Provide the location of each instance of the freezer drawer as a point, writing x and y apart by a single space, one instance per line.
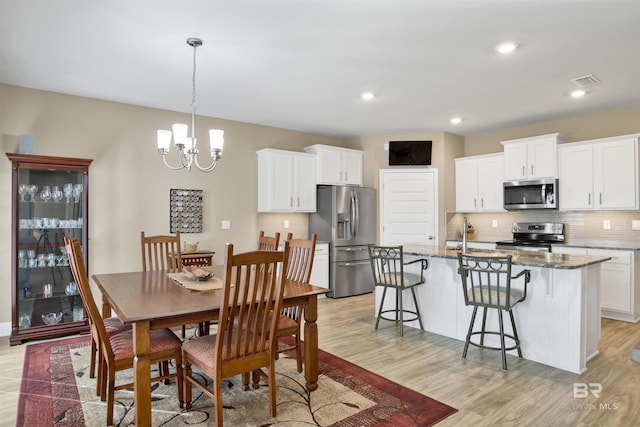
350 278
350 253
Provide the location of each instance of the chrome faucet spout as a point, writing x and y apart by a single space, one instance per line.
464 236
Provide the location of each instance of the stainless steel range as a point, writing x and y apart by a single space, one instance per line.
534 236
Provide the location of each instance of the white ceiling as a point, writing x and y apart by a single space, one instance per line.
301 64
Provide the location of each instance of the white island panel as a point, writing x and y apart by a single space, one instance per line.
558 323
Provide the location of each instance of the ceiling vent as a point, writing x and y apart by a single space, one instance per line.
586 81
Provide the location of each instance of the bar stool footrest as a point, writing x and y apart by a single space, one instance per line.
415 314
487 347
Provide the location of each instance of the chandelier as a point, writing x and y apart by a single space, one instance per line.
186 145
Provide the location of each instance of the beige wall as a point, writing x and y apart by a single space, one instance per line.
578 128
129 186
445 148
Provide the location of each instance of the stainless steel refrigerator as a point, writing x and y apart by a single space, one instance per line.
346 218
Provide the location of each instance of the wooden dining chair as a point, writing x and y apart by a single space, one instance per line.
268 243
117 350
113 325
245 340
301 253
161 252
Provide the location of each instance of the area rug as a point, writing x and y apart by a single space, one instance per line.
56 391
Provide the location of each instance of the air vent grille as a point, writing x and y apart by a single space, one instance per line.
586 81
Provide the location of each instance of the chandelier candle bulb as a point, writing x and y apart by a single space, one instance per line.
164 140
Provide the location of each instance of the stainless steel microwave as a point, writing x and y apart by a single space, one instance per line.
531 194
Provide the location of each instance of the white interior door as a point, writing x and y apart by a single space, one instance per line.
408 206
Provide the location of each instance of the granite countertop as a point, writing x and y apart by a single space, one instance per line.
530 259
590 244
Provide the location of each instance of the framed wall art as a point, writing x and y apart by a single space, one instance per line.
185 210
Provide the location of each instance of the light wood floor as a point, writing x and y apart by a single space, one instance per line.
527 394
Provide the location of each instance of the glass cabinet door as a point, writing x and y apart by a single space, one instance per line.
51 203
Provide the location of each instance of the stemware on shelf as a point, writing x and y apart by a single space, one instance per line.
77 190
23 190
33 190
46 193
56 194
68 191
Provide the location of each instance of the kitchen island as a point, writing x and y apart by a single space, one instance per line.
558 323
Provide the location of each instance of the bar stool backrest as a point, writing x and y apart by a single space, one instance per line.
486 281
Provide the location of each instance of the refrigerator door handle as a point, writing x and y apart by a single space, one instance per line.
354 215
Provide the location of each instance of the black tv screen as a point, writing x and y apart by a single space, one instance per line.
409 153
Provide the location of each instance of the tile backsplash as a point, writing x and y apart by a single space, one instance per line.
582 227
272 223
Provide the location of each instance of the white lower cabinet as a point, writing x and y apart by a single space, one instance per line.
619 282
320 270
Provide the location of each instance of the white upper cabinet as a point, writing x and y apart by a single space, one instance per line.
479 183
337 165
286 181
531 158
599 174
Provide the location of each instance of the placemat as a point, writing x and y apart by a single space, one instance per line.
196 285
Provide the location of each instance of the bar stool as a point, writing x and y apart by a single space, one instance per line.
486 283
387 265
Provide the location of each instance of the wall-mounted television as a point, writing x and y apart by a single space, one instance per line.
409 153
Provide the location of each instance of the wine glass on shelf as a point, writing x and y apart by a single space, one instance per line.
77 190
45 194
68 191
33 190
56 194
23 190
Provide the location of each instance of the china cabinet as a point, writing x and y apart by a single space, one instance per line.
49 202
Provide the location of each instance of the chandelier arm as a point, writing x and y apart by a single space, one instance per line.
175 168
209 168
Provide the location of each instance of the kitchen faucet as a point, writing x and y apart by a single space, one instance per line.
464 236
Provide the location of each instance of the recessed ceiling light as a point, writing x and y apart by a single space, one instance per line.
367 96
506 47
455 120
577 93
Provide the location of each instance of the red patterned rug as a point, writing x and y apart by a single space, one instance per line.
56 391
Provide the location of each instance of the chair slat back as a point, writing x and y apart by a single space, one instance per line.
301 254
486 281
161 253
79 271
251 295
268 243
387 265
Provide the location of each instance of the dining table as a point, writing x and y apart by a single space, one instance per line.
150 300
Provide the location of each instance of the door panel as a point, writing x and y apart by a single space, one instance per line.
408 207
